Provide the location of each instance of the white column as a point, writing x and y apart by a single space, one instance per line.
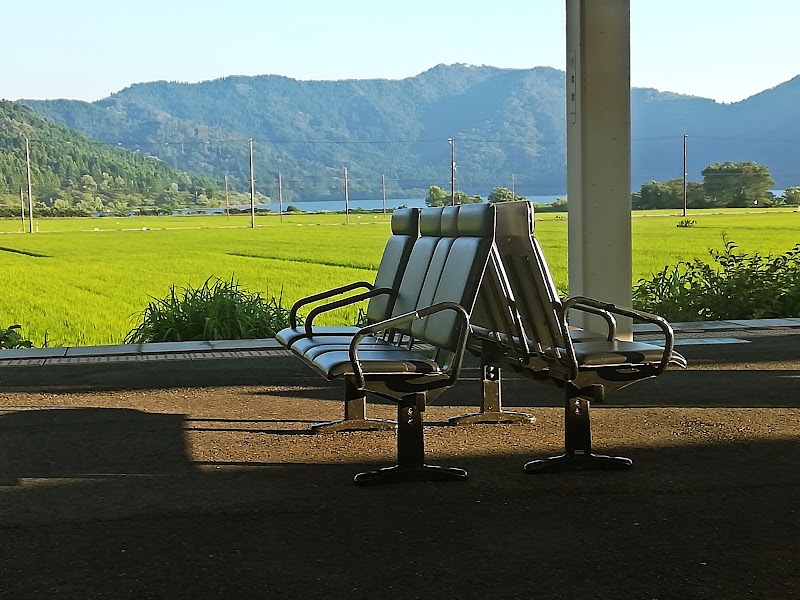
599 154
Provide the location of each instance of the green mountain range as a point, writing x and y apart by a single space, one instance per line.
310 130
507 126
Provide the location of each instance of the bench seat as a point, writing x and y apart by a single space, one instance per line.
303 345
603 353
336 363
290 335
371 344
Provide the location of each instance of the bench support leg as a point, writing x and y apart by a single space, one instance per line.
491 404
578 438
410 451
355 414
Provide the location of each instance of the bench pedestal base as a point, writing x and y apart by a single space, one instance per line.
398 474
566 462
496 416
491 404
410 451
355 415
352 425
578 453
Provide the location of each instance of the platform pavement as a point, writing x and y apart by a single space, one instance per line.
77 354
253 362
222 492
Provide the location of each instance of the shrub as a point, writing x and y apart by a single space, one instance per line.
558 205
686 223
740 286
11 338
217 310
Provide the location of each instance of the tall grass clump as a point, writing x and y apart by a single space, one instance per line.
737 285
217 310
11 338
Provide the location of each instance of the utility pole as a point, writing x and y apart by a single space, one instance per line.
684 174
383 188
22 208
227 203
513 187
252 190
30 185
280 197
346 199
452 170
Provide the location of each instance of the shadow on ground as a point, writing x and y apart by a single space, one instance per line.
175 490
110 503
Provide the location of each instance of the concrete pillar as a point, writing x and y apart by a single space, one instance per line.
599 154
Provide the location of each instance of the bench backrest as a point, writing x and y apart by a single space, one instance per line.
419 262
467 237
446 265
405 232
524 316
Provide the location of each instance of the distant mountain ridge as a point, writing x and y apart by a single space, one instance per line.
508 125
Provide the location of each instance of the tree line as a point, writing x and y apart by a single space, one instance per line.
437 196
724 185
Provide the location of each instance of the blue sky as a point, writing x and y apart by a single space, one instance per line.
88 49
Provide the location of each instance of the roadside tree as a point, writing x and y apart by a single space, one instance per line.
437 197
501 194
668 194
462 198
736 184
659 194
792 195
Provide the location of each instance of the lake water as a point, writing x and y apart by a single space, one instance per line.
338 205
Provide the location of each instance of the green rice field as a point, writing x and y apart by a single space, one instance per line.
83 281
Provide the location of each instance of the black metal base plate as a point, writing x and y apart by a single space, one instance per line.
492 417
353 425
398 474
573 462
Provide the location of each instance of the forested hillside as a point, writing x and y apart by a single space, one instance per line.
763 129
507 123
70 171
508 126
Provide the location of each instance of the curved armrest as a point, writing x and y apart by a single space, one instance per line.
343 302
322 295
394 322
611 322
661 322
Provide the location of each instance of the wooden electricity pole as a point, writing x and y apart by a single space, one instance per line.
30 185
22 207
346 199
452 170
227 203
280 197
684 174
252 190
383 188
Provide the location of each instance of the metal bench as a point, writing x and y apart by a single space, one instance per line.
521 324
432 306
381 296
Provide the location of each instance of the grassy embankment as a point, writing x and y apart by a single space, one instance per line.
82 281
